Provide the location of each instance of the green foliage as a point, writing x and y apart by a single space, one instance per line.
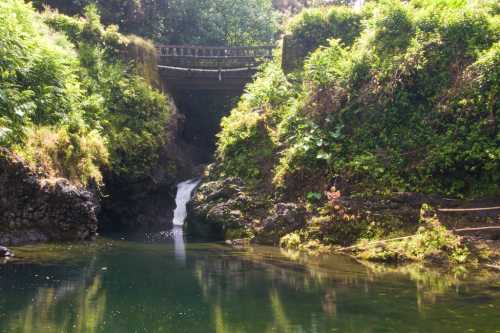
68 104
408 105
439 3
390 28
137 126
407 108
61 152
38 72
313 196
207 22
41 98
326 64
291 241
245 144
433 242
314 27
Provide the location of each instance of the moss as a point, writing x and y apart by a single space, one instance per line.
291 241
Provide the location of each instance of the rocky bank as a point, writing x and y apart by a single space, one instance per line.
226 208
34 208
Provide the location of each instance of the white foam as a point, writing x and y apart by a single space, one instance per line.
184 192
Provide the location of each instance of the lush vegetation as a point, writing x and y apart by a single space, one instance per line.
207 22
409 106
69 103
314 27
398 97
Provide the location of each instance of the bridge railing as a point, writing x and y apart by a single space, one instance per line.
188 56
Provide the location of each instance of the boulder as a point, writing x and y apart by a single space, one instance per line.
228 209
282 219
5 252
219 208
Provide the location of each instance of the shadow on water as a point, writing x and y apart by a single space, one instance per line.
169 286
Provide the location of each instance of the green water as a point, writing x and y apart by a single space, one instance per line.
122 286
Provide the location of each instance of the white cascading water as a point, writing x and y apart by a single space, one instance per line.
184 192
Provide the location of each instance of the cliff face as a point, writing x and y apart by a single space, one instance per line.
33 208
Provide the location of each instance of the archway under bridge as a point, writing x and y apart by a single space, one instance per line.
206 83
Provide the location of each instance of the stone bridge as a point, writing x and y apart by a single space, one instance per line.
186 67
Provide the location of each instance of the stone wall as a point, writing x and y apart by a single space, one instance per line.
293 54
34 208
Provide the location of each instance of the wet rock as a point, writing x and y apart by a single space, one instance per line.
218 209
147 203
283 218
228 209
238 243
34 208
5 252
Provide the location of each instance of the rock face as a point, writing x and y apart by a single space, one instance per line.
133 207
147 203
227 209
35 209
217 209
282 219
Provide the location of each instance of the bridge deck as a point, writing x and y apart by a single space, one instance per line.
188 56
201 67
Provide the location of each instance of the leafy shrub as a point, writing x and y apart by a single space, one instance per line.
290 241
313 28
69 104
39 81
390 28
370 111
433 242
136 126
244 145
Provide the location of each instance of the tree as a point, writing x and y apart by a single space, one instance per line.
205 22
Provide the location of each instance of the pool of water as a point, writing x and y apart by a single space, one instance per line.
133 286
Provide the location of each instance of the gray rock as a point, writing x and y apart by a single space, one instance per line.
282 219
218 206
5 252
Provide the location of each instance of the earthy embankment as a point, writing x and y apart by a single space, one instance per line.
34 208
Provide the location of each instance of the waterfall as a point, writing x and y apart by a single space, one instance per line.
184 191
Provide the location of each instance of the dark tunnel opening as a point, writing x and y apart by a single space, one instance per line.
203 111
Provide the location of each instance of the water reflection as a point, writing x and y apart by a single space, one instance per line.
133 287
72 306
179 245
